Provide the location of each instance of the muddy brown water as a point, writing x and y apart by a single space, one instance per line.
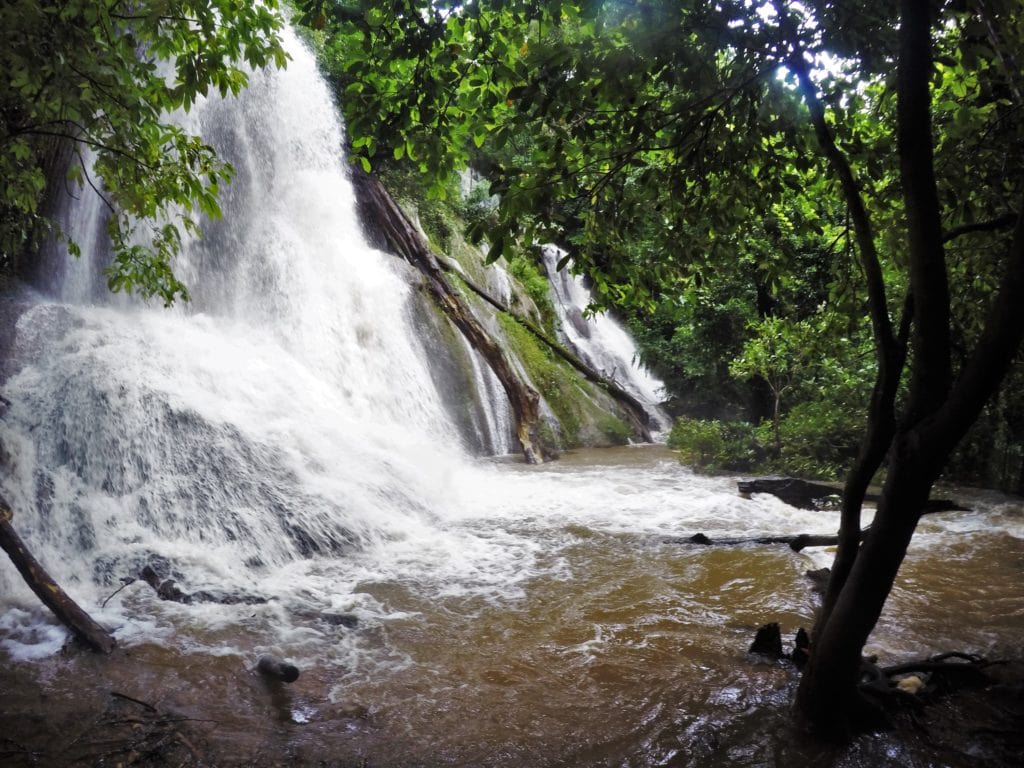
625 649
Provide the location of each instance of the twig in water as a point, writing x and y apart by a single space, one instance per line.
126 697
126 581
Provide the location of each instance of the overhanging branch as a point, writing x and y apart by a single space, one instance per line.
1006 221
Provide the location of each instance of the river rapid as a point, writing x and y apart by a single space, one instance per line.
556 620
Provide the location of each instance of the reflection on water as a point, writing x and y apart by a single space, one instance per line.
568 631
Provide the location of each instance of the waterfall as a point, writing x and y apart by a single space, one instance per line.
600 340
495 410
286 413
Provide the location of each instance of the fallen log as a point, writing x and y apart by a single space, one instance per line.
804 494
383 214
167 589
796 543
70 614
801 494
967 669
934 674
277 669
638 414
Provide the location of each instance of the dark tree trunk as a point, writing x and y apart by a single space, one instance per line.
827 699
939 410
386 218
48 591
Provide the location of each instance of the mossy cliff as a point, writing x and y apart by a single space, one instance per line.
574 412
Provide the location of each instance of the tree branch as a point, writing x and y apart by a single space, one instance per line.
993 353
863 230
1006 221
881 423
32 131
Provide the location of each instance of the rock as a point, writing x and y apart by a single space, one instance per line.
801 648
341 620
910 684
819 579
278 669
768 641
350 710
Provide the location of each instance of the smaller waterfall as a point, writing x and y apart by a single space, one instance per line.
600 340
496 412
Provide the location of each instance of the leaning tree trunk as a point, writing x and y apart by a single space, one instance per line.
48 591
378 207
827 700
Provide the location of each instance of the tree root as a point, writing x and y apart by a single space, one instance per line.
942 673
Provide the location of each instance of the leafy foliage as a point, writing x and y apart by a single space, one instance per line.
98 80
716 445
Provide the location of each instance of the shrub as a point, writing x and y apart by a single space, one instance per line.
712 444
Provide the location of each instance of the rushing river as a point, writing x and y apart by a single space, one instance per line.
550 618
281 442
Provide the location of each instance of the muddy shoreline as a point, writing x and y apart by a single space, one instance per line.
151 706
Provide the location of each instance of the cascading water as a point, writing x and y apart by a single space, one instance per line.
288 412
281 439
600 340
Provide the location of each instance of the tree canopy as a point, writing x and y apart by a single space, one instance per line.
100 80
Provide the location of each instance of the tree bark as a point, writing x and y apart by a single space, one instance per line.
890 349
386 218
48 591
827 699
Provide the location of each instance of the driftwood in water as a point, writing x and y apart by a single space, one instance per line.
277 669
953 668
346 620
81 624
385 217
796 543
804 494
634 408
797 493
167 589
934 674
